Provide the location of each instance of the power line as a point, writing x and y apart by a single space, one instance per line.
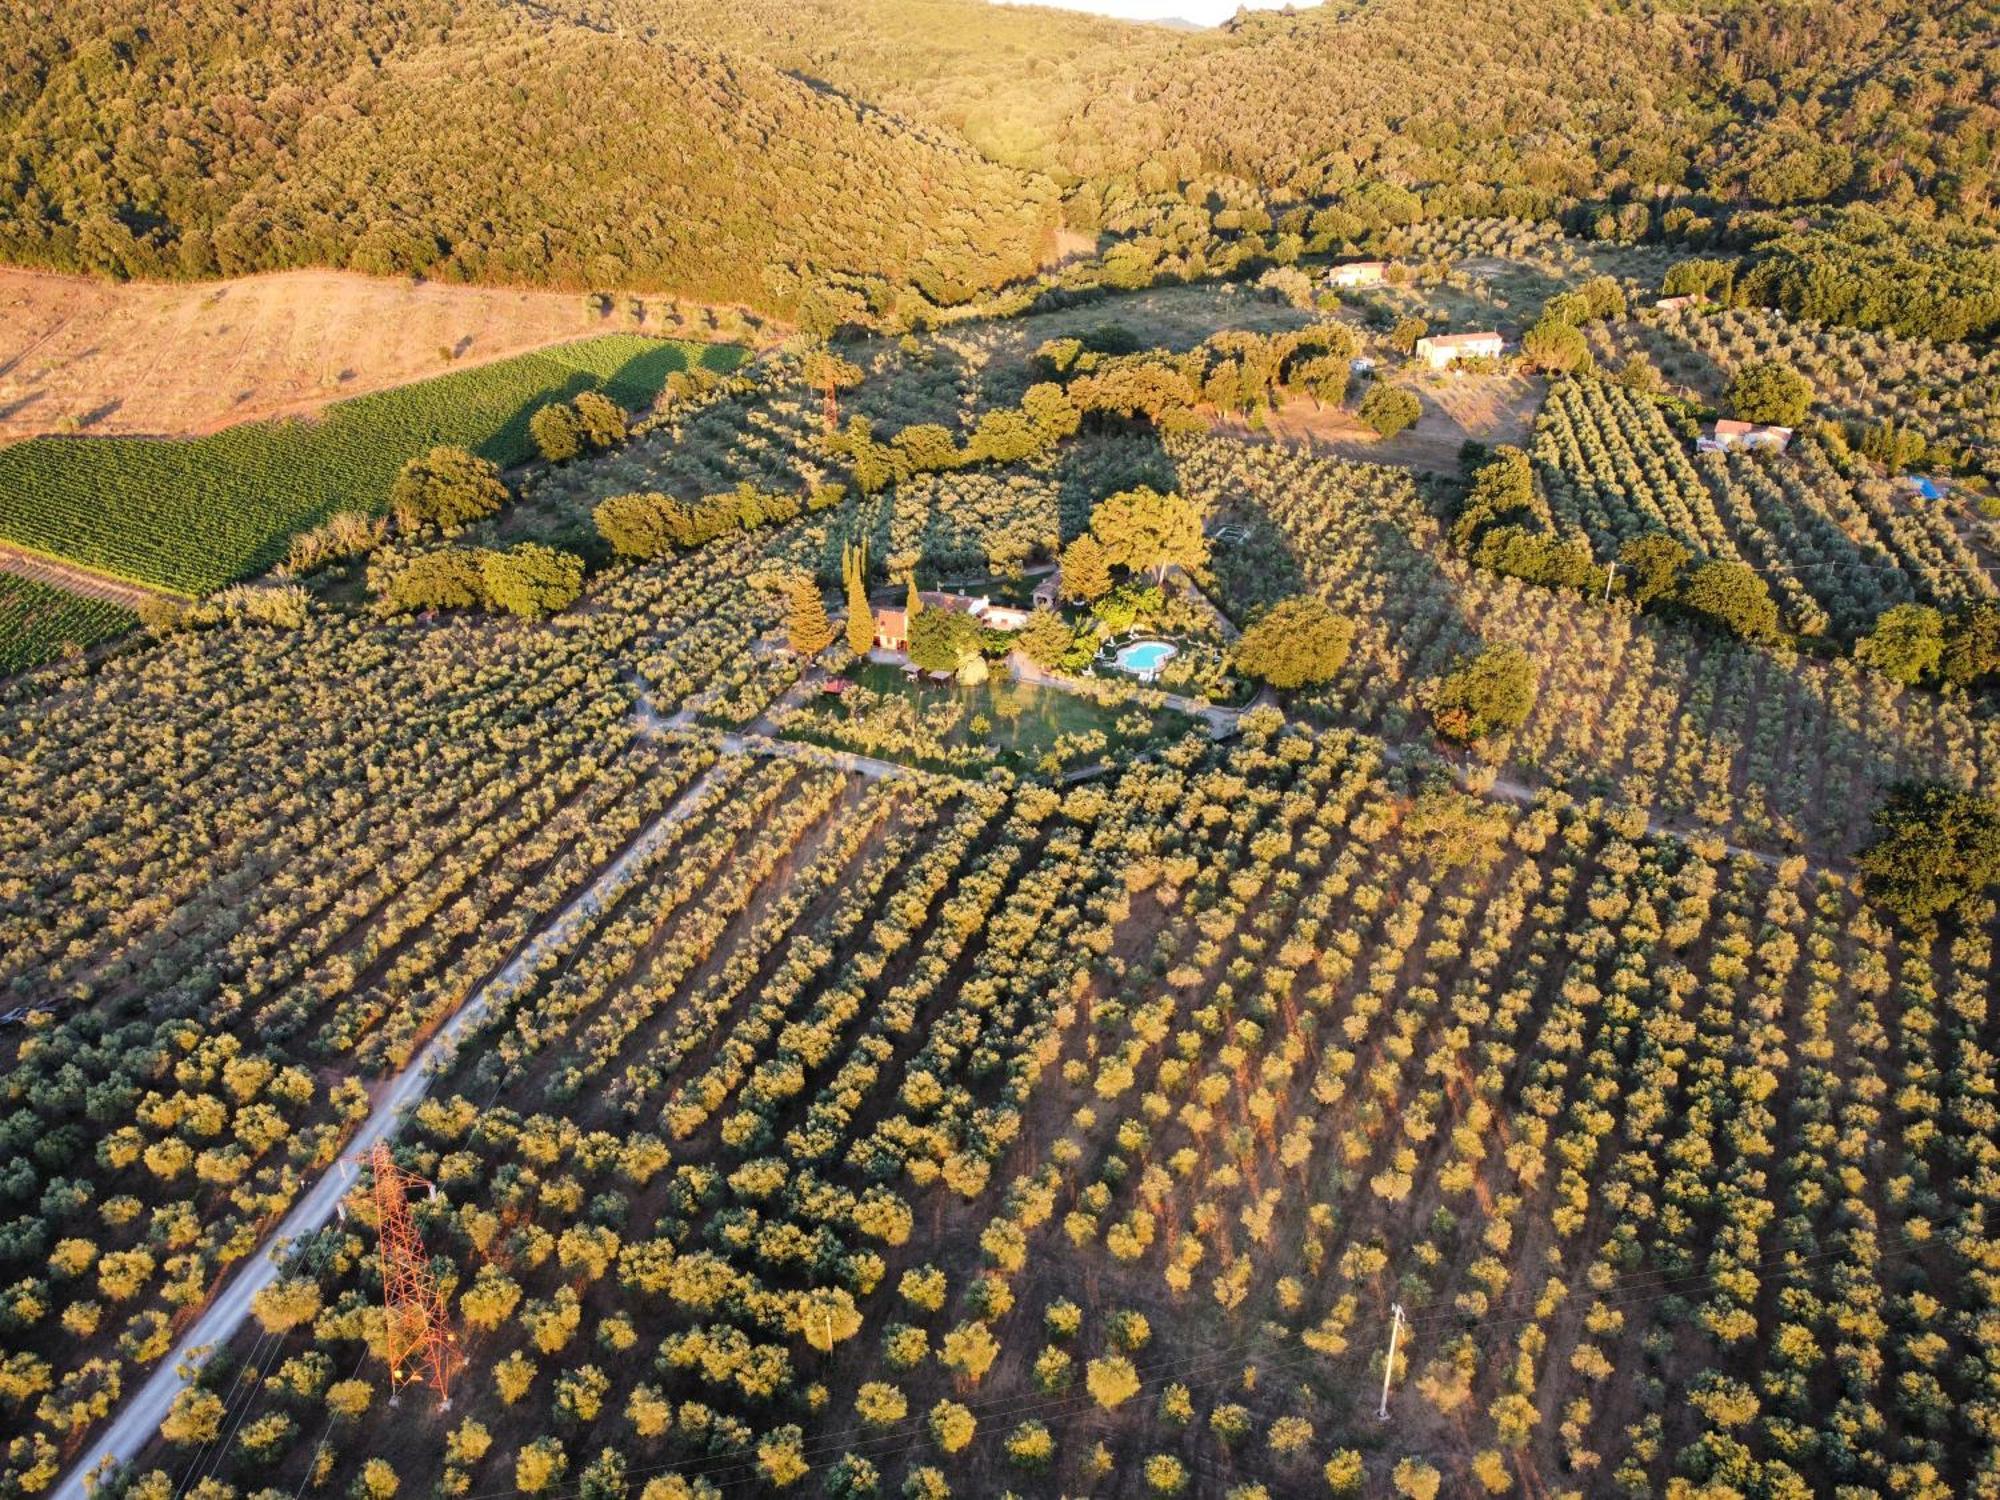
1203 1370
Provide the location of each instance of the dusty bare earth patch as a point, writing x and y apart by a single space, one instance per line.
1457 408
73 579
78 355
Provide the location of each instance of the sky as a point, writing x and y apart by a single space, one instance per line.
1201 12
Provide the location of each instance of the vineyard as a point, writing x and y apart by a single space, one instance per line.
39 622
192 515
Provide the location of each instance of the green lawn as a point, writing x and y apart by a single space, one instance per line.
1026 720
191 515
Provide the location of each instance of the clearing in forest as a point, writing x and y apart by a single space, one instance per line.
1458 409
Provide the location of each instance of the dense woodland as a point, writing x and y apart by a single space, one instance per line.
474 143
739 153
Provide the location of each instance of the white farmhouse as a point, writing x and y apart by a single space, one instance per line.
1449 348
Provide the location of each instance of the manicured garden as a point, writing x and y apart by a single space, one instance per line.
885 712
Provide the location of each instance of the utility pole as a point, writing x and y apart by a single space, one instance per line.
1610 573
1389 1369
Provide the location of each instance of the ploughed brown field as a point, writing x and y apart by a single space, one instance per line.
182 359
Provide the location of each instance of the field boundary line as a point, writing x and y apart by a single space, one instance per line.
80 578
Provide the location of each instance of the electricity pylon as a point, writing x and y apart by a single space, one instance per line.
420 1347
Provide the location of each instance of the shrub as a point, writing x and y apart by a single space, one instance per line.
1416 1479
447 488
1390 409
194 1418
1344 1472
1031 1446
1111 1381
923 1287
286 1303
970 1349
880 1404
539 1465
952 1426
376 1481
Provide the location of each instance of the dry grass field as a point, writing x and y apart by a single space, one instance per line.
1457 408
78 355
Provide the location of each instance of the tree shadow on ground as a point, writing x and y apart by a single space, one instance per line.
1104 460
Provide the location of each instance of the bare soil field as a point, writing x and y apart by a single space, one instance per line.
178 360
1457 408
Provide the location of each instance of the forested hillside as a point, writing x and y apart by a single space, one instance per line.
745 151
469 141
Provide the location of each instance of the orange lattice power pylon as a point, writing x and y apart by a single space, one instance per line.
421 1348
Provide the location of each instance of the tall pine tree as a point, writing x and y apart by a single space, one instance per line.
1086 571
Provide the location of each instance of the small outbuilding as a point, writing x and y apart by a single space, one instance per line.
892 629
1358 273
1729 436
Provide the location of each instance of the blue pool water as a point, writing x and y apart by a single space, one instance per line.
1144 657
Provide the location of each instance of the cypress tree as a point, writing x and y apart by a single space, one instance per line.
806 624
860 614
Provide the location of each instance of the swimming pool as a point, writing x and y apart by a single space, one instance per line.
1144 658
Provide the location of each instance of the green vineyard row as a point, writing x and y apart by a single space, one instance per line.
191 515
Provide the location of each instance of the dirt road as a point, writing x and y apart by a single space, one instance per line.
73 579
143 1411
